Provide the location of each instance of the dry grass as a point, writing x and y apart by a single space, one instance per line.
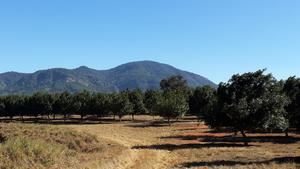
43 146
186 145
22 152
145 144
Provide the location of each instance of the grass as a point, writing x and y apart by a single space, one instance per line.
22 152
27 146
143 143
187 145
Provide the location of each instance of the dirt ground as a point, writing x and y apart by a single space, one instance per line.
148 144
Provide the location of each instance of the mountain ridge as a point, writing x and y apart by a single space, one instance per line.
139 74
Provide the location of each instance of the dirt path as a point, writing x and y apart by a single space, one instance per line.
131 137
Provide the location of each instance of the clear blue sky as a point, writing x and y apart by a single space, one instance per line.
213 38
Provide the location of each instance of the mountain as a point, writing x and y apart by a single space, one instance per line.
143 75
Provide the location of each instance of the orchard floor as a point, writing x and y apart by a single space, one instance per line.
148 144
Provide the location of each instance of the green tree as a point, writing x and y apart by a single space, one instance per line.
152 99
137 100
250 101
21 106
121 105
217 117
174 83
100 105
115 105
2 107
126 107
275 115
41 104
14 105
173 105
81 103
292 90
62 104
202 100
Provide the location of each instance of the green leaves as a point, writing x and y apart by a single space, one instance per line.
250 101
173 104
136 98
202 100
292 89
152 99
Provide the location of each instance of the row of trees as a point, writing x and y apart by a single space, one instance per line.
252 101
67 104
248 102
170 102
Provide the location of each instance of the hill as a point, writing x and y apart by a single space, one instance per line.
143 75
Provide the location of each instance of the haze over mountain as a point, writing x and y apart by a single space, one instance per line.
143 75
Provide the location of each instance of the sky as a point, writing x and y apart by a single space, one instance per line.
213 38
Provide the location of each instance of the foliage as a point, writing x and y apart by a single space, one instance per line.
136 99
81 103
292 90
202 100
100 104
152 99
173 105
126 107
250 101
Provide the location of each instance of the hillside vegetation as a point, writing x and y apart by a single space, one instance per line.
135 75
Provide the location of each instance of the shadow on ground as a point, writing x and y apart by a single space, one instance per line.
157 123
163 123
172 147
236 139
279 160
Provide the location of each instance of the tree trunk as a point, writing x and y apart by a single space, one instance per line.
169 121
245 137
132 117
286 133
120 118
53 116
99 118
65 117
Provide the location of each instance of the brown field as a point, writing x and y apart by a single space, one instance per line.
148 144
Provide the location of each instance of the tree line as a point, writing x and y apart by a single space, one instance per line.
253 101
170 102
